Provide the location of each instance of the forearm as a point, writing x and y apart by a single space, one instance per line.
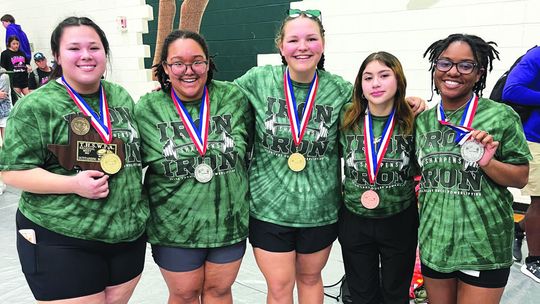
507 175
39 181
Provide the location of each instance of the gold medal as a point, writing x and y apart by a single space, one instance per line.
110 163
80 125
296 162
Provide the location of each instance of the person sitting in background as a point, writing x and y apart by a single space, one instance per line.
40 76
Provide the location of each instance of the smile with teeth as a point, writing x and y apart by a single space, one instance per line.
451 83
86 67
189 80
302 57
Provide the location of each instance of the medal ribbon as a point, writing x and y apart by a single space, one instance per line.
374 157
101 125
463 130
199 136
298 126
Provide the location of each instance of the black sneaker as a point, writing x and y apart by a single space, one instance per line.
532 270
516 249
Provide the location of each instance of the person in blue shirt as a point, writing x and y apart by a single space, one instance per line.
523 88
14 29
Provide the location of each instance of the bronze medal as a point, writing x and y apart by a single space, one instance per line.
110 163
370 199
296 162
80 125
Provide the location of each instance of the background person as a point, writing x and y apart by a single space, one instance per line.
13 60
13 29
39 76
470 149
79 235
523 87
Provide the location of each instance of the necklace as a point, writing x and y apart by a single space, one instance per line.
455 111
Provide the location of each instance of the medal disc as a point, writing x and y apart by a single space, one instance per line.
203 173
370 199
80 126
296 162
472 151
110 163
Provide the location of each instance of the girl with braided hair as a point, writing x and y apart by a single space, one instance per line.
470 149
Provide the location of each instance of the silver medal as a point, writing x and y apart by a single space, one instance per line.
472 151
203 173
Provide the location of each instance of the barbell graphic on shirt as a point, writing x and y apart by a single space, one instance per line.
226 143
271 125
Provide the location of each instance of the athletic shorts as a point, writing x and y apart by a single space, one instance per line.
61 267
496 278
277 238
179 259
533 187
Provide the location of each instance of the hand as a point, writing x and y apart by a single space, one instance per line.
490 146
3 94
92 184
28 68
418 105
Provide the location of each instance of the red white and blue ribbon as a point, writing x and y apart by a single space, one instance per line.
199 136
101 122
463 130
375 156
299 125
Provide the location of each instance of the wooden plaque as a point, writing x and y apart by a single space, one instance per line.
85 147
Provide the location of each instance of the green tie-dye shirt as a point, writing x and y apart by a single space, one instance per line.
466 218
183 211
40 119
394 183
310 197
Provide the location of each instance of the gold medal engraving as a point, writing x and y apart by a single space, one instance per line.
296 162
110 163
80 125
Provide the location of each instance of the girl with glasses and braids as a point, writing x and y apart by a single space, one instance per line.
194 141
294 178
469 149
378 223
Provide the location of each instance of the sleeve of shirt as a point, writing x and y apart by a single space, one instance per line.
24 148
523 82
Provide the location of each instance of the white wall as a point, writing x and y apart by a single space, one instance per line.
39 18
354 29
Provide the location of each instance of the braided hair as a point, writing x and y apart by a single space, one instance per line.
484 53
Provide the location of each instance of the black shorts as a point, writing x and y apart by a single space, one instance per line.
277 238
496 278
61 267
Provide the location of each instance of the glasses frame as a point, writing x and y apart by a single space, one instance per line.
178 64
310 13
457 64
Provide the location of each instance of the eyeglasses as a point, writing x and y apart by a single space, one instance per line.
464 67
311 13
180 68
